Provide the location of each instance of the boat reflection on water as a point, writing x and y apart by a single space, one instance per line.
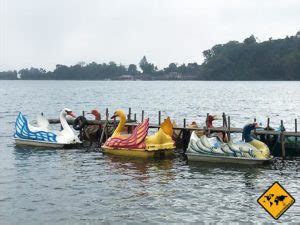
24 152
248 174
226 166
142 169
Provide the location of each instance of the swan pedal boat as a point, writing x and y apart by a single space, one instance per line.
198 157
216 151
138 144
42 136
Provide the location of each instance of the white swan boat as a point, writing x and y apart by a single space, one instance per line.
42 136
214 150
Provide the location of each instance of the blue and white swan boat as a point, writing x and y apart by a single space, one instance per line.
41 135
248 151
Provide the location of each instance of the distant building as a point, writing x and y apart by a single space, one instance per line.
126 77
178 76
298 34
173 76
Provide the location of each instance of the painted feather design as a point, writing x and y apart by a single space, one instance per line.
23 131
135 140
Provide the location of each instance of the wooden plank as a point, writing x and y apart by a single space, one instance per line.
291 134
91 122
270 132
213 129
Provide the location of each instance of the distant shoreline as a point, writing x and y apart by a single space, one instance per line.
272 60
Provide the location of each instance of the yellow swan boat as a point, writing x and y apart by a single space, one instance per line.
138 144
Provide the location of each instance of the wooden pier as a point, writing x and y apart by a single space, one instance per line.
186 130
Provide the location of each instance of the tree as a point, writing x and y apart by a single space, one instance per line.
9 75
250 40
147 68
33 74
171 68
81 63
132 69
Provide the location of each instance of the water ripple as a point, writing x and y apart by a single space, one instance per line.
84 186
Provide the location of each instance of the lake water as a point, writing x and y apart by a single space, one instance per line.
86 187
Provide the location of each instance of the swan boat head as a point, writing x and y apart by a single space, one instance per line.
263 150
67 135
120 128
210 119
209 123
119 113
67 112
95 113
93 132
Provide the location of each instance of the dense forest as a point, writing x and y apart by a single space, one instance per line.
248 60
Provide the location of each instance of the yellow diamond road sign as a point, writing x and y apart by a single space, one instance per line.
276 200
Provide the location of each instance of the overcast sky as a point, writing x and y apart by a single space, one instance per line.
43 33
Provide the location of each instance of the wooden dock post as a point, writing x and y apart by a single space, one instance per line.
159 117
228 133
184 122
143 115
81 130
254 127
115 122
106 114
206 124
296 138
102 134
206 121
224 120
282 140
134 117
268 137
129 114
129 129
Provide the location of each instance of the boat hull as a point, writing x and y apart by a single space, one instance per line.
139 153
226 159
42 144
